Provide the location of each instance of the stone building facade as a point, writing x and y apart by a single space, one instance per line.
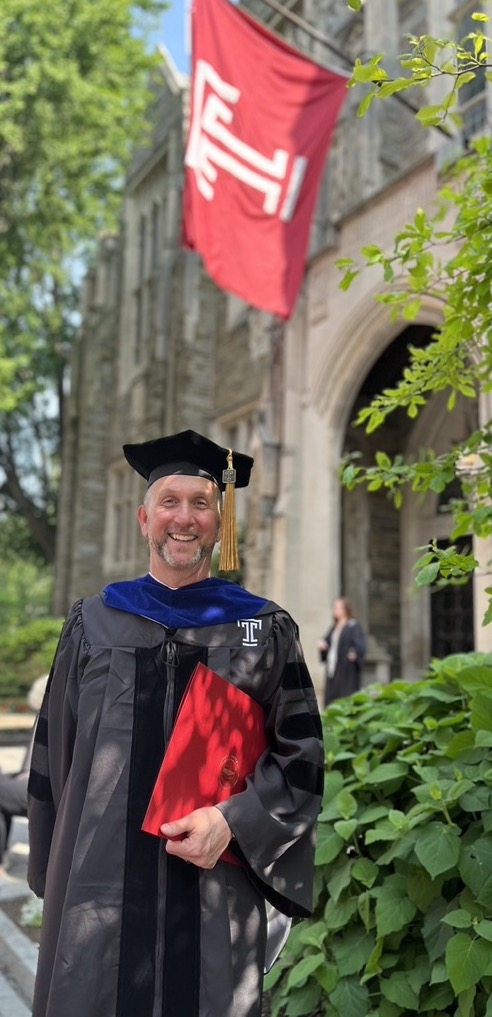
161 349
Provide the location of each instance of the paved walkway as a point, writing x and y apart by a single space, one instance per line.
18 954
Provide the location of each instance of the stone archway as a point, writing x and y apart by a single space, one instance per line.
370 518
378 544
327 541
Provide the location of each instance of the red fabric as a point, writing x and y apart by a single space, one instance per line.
217 739
262 117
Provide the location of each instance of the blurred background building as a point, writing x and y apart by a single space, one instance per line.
161 349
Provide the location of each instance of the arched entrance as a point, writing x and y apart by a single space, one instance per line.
379 543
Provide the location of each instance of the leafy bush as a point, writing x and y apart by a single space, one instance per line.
25 588
26 652
403 887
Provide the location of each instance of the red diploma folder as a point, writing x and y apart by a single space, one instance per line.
217 739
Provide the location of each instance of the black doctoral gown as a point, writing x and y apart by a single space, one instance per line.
129 931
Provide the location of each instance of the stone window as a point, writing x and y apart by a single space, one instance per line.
154 236
140 290
473 95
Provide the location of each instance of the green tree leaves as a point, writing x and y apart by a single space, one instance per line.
445 257
74 93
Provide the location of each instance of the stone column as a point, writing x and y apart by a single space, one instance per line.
381 35
319 539
382 27
305 558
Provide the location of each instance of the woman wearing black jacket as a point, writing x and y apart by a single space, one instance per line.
343 648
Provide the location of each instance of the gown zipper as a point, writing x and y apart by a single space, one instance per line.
169 658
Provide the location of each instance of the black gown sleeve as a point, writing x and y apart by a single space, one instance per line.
273 820
52 748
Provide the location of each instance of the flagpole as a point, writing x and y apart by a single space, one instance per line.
319 37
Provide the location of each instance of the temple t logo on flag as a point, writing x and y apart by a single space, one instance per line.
262 117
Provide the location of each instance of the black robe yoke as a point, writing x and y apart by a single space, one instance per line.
129 931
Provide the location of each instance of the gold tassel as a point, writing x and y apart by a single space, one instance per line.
229 551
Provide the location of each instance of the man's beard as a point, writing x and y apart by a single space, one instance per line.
165 553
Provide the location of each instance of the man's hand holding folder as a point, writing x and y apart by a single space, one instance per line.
217 739
201 837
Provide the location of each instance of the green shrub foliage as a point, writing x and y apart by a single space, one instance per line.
403 888
26 653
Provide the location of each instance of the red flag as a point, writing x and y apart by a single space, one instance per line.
262 117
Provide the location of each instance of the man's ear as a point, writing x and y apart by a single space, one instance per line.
142 516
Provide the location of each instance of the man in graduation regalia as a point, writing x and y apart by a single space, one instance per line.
137 925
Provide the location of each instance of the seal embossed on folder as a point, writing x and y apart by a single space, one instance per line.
217 739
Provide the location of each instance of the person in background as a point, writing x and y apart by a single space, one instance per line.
13 786
136 925
13 802
342 649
